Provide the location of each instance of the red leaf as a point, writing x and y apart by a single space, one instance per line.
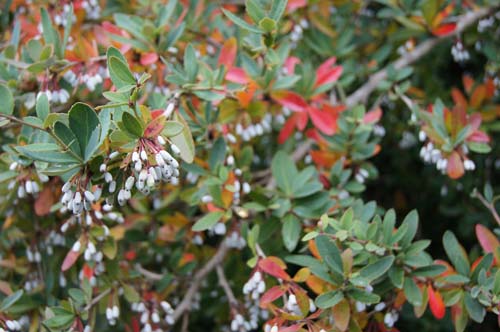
291 328
291 100
237 75
70 260
88 272
325 122
436 303
444 29
290 63
155 127
295 4
271 267
478 136
489 242
148 58
271 295
373 116
228 53
330 77
455 167
326 74
287 130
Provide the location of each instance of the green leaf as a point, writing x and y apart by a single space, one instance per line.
77 295
290 231
412 292
429 271
109 249
119 72
254 10
474 308
42 107
377 269
329 299
130 293
184 140
241 23
50 34
132 125
329 253
62 318
217 153
207 221
397 276
411 220
267 24
172 128
277 9
363 296
479 147
48 152
68 137
284 171
456 254
84 123
7 100
190 63
10 300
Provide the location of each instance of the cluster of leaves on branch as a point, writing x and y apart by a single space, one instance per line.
167 164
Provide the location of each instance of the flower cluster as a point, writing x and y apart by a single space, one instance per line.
153 316
459 53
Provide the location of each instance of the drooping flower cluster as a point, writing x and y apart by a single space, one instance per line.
154 316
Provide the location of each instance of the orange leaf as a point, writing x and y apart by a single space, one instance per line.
468 82
228 53
455 167
342 315
458 98
436 303
270 266
444 29
478 96
44 201
489 242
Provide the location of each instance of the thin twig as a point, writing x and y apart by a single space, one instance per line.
198 278
185 322
225 286
488 205
148 274
34 126
96 299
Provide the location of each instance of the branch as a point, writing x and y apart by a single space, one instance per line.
488 205
96 299
198 278
233 302
362 93
148 274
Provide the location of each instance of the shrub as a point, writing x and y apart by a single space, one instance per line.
175 165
